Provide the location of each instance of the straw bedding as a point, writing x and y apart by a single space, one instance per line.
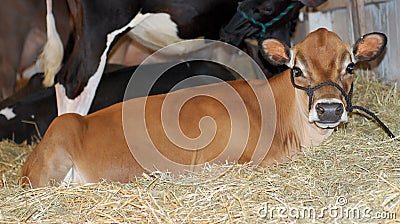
354 176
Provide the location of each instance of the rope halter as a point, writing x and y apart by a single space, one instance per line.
347 96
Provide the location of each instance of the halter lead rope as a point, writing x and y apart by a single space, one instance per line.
310 92
264 26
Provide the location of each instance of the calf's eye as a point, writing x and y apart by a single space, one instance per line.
350 68
297 72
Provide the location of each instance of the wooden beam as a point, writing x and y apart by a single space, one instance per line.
361 16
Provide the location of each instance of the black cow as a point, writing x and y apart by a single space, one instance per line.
95 21
27 114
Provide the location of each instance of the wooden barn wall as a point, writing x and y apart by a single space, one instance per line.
381 17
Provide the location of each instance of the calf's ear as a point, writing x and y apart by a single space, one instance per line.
369 47
275 51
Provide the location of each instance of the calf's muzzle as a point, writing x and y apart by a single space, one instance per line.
329 112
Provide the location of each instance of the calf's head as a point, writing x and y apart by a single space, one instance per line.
322 65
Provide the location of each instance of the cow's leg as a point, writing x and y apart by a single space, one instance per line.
7 80
51 160
81 104
53 50
32 47
46 163
9 59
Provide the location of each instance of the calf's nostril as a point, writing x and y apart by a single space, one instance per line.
339 110
320 109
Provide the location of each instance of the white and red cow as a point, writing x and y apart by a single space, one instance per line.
104 146
98 23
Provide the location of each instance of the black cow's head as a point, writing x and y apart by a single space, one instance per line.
261 19
253 17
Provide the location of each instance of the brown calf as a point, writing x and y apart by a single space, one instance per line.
113 143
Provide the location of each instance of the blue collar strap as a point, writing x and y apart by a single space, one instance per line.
264 26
